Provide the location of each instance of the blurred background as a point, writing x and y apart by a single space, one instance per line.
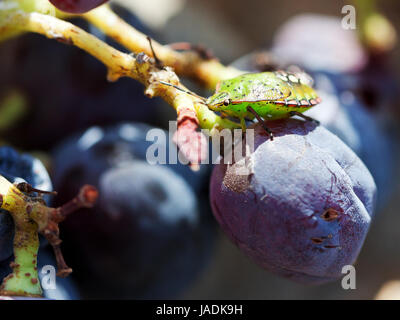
36 74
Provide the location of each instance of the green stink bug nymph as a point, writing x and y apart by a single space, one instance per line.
265 96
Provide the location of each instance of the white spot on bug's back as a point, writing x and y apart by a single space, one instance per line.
305 79
257 90
283 78
293 78
90 137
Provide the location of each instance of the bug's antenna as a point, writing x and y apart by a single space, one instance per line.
159 63
183 90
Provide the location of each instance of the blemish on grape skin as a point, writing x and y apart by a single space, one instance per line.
330 214
317 240
332 247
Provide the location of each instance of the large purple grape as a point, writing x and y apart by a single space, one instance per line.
77 6
305 208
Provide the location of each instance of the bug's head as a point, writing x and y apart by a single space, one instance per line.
219 101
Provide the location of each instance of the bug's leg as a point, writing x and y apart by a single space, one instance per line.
243 124
223 115
299 114
261 121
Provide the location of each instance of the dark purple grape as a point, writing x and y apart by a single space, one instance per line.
305 208
77 6
148 236
18 167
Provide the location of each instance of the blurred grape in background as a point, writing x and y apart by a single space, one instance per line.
151 233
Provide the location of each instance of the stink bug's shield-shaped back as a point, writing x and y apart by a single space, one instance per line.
262 92
252 87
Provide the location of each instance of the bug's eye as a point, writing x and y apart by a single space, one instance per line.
227 102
